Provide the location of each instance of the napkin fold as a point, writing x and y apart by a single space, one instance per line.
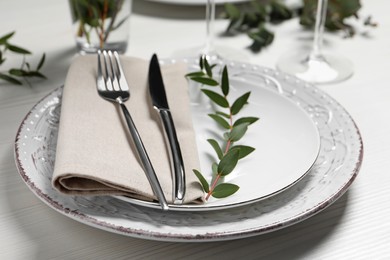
95 153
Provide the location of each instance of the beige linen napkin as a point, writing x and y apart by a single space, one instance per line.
95 154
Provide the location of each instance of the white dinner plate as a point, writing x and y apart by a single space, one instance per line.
196 2
335 168
286 140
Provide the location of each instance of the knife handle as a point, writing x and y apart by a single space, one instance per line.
143 155
179 184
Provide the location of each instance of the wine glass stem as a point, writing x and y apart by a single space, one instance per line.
210 17
319 28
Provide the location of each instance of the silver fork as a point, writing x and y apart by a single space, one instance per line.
112 86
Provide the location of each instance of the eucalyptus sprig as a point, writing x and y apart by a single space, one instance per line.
25 71
254 17
228 153
96 16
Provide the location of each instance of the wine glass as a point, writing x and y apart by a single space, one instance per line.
316 66
209 49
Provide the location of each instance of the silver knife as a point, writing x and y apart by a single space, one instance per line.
160 103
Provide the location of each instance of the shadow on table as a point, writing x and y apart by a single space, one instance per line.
296 241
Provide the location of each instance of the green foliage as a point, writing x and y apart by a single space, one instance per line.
202 180
98 16
220 120
337 12
216 147
217 98
249 120
24 72
237 132
228 162
252 18
228 154
239 103
243 150
224 190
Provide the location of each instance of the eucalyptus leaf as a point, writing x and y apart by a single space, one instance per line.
279 11
94 22
202 180
261 38
261 10
243 150
242 120
225 81
17 49
238 132
40 64
208 68
228 162
224 190
5 38
232 11
220 120
96 11
216 147
217 98
10 79
205 81
239 103
36 74
17 72
223 114
195 74
201 63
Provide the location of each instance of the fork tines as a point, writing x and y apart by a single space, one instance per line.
110 74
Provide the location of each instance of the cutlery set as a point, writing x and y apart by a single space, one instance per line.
112 86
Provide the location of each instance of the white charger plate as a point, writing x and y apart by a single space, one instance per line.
334 170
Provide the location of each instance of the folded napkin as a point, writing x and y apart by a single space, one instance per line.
95 153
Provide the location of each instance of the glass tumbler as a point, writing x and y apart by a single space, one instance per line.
100 24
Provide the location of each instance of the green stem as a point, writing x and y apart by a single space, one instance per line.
113 18
227 147
213 186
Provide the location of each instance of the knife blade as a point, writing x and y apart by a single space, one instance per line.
160 103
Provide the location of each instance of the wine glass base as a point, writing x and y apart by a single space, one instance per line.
210 55
322 69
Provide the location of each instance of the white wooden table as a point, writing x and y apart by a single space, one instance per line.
354 227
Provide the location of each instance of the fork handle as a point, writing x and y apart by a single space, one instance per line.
143 155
